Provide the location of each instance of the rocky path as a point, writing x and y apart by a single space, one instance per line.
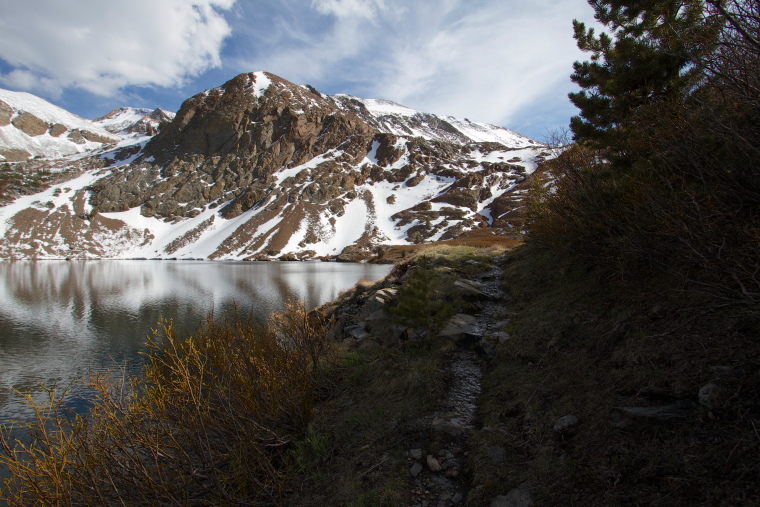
437 472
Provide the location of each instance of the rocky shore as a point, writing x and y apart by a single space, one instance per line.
467 304
527 381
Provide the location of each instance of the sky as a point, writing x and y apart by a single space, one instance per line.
503 62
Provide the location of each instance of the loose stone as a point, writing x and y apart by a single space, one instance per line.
433 464
565 424
495 454
710 396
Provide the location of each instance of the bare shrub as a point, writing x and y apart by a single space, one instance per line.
207 424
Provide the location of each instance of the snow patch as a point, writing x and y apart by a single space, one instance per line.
285 173
260 84
45 111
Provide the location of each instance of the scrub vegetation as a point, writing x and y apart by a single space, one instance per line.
209 423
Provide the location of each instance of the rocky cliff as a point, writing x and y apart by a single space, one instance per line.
261 168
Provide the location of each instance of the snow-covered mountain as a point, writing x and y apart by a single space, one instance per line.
261 168
33 127
387 116
127 121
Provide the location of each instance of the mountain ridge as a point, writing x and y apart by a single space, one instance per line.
262 168
127 121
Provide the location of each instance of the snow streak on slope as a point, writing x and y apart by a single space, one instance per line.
54 197
371 208
44 145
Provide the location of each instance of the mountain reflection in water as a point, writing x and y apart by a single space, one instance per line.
60 321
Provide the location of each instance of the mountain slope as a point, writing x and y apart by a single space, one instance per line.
127 121
263 168
33 127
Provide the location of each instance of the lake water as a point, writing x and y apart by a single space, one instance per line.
60 321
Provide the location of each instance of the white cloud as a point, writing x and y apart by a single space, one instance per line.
490 60
103 46
505 62
25 80
349 8
488 64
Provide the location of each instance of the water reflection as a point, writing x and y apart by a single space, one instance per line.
61 320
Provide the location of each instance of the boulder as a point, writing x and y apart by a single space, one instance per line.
380 299
471 289
501 336
518 497
6 113
358 332
451 428
433 464
566 424
460 327
30 124
495 454
711 396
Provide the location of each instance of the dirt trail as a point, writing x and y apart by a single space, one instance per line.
437 471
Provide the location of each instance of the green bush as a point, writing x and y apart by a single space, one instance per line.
422 300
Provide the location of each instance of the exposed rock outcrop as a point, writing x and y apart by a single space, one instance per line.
30 124
6 113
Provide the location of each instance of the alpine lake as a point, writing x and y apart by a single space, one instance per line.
62 321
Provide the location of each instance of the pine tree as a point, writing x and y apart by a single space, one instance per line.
652 55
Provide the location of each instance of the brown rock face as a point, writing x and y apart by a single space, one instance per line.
287 125
226 143
58 129
15 155
96 138
6 112
30 124
387 152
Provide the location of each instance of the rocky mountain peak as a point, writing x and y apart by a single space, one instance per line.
262 168
263 117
